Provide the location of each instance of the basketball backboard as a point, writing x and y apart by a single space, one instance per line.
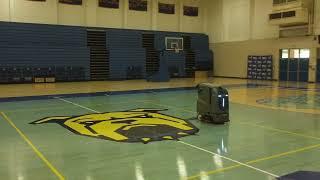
174 44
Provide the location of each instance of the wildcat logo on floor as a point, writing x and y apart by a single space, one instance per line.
138 125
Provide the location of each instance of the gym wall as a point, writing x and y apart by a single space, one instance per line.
89 14
239 28
26 47
229 56
317 17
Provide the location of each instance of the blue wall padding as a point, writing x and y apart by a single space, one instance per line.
176 60
202 55
200 42
121 59
163 74
34 45
203 59
42 35
123 39
23 44
45 57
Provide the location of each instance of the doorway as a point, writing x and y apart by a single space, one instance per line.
294 65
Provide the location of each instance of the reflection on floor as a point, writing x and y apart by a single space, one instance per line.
274 130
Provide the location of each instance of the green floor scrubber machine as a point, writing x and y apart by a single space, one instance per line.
212 103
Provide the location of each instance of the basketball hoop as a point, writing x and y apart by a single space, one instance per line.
174 44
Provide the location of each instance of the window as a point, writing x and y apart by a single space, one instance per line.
279 2
285 54
275 16
294 53
289 14
304 53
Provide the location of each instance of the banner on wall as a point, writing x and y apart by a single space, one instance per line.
166 8
190 11
260 67
109 4
73 2
138 5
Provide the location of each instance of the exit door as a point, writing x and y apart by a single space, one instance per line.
294 65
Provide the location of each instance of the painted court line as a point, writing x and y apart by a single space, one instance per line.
243 123
181 109
38 153
58 108
190 145
214 171
280 130
235 161
258 160
77 105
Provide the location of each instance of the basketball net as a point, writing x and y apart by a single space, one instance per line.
176 50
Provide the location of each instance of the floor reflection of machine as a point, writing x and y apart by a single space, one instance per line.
213 103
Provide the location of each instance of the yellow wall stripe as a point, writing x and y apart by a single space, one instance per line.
38 153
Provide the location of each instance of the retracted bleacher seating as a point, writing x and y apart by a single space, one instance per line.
162 75
4 74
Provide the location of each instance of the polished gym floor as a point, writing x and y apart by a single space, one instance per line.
274 130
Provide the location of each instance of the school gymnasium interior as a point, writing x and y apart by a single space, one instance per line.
159 89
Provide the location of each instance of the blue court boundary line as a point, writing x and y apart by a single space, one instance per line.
298 88
104 93
107 93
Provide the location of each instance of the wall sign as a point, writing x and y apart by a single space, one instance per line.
73 2
259 67
190 11
109 4
138 5
166 8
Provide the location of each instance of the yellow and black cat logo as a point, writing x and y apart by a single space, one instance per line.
139 125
